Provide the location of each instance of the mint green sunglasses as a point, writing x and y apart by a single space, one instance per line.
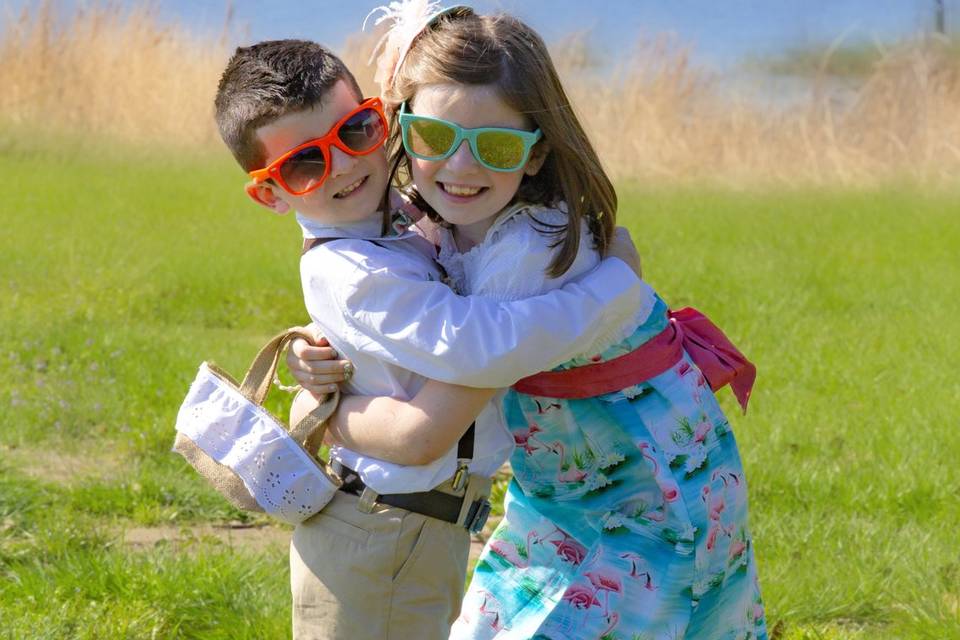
496 148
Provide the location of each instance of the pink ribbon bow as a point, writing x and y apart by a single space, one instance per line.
720 362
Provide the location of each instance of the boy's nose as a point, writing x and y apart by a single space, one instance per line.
341 162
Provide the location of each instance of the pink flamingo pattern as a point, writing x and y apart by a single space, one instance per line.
636 564
526 438
567 547
626 518
572 473
585 597
546 406
668 488
715 497
491 614
608 583
511 551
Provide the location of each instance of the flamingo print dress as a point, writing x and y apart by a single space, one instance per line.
627 515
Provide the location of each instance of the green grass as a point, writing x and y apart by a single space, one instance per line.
120 274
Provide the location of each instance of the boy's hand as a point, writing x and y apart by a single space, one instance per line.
622 247
316 367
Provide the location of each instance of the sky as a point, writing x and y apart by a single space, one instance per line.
721 32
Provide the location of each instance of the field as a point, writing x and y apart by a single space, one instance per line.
121 273
825 238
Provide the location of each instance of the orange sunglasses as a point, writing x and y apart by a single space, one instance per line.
305 167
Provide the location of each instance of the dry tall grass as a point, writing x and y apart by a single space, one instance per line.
663 119
121 72
108 69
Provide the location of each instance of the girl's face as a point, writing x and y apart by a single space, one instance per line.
460 189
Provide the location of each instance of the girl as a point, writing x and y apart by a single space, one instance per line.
627 514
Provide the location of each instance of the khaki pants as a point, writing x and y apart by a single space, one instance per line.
387 575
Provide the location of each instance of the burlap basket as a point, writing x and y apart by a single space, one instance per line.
248 454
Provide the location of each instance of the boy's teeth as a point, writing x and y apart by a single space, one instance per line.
456 190
349 188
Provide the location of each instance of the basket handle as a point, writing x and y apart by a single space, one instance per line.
256 384
309 431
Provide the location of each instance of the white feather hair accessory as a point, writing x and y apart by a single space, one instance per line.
409 17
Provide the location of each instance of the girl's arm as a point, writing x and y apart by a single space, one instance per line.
316 367
413 432
388 310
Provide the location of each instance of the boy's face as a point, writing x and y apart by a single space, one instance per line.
353 189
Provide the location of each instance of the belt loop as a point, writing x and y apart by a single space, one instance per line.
368 500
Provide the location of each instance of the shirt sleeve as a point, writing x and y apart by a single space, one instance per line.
398 316
513 263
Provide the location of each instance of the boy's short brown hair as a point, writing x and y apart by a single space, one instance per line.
268 80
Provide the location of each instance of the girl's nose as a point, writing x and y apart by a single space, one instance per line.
462 159
341 162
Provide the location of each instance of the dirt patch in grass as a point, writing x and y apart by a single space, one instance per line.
61 467
242 538
239 537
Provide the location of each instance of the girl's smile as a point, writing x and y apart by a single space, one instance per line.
461 190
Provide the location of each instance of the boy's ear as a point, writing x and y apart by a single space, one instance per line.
265 195
538 155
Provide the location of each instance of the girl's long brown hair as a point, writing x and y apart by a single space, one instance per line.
465 48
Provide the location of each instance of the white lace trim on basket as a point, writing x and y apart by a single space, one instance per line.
278 472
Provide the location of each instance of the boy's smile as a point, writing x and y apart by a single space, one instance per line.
355 185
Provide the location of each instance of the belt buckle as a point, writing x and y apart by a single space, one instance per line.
477 517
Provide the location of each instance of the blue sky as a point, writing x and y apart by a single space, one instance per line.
721 31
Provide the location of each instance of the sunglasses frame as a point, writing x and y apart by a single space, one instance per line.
529 139
331 138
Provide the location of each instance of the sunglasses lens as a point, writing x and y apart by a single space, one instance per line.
363 131
500 149
429 139
304 169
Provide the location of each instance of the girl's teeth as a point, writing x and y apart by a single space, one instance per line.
456 190
349 189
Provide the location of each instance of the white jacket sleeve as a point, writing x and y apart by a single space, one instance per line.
396 315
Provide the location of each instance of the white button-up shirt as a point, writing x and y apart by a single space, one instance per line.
381 303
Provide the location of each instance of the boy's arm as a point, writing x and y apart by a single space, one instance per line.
411 432
408 432
397 316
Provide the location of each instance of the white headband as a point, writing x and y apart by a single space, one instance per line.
410 18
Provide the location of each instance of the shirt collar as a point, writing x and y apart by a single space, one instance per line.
368 229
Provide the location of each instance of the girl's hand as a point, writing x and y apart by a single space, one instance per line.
317 367
622 247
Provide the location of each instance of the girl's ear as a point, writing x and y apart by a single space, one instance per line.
265 195
538 155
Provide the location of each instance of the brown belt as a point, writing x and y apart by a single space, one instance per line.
433 503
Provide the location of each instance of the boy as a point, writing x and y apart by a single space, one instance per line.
386 558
